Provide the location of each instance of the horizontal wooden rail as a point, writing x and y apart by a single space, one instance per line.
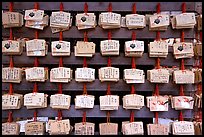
98 32
96 112
97 59
97 86
102 6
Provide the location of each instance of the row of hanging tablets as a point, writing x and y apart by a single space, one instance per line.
107 102
134 48
61 20
63 127
105 74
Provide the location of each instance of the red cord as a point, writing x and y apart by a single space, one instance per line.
133 35
156 117
10 88
158 63
132 89
59 115
180 116
61 6
158 35
35 89
84 89
85 36
36 62
132 116
84 117
158 8
59 88
183 6
109 35
109 62
11 34
134 8
110 7
61 62
108 89
108 116
181 90
156 90
35 115
85 8
133 63
10 118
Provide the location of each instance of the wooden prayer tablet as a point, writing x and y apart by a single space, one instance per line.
135 21
13 75
35 128
133 76
84 129
39 74
84 49
133 101
108 74
36 19
183 128
183 77
158 49
38 24
109 102
109 47
158 75
60 48
157 103
10 128
159 20
183 50
85 21
35 100
36 47
85 74
61 74
182 102
132 128
84 101
60 21
60 101
12 47
12 19
108 128
157 129
183 21
109 20
134 48
14 101
59 127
